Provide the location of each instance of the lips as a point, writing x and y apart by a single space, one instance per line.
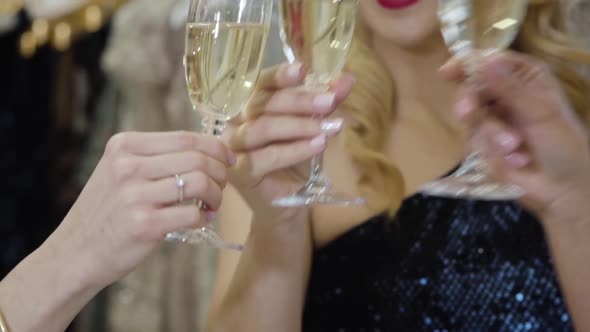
396 4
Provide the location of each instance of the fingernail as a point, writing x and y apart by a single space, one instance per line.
332 126
211 216
294 70
324 102
518 160
463 108
318 143
507 142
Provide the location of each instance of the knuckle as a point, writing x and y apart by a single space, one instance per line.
246 171
116 144
270 71
253 108
186 140
281 71
218 148
141 224
124 169
282 67
258 99
278 72
228 133
260 103
237 140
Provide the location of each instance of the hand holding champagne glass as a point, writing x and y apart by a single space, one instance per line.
477 28
225 43
317 33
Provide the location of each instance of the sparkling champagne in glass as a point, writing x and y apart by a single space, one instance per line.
225 43
318 34
475 29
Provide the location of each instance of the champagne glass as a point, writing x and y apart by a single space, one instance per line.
225 43
476 29
317 33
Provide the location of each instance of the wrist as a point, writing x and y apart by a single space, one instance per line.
573 208
45 291
282 224
276 244
72 264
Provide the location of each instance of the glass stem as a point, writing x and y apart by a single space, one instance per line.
473 164
317 179
212 126
475 160
317 176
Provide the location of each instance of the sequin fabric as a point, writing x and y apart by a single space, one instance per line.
441 265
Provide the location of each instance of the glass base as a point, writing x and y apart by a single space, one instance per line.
472 186
471 181
317 193
203 235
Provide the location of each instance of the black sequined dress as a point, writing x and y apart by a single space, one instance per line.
440 265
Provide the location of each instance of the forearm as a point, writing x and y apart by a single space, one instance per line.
569 241
267 289
45 291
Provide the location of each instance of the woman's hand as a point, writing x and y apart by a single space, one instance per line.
130 202
281 130
530 135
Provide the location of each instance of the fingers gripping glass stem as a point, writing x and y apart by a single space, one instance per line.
318 189
477 28
207 235
225 44
317 33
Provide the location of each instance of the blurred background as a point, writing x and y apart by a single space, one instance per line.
73 73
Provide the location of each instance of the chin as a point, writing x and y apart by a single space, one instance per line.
409 27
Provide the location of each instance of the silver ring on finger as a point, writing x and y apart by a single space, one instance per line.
180 184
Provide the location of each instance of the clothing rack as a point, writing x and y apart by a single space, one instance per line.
59 32
10 7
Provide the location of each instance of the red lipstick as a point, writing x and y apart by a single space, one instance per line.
396 4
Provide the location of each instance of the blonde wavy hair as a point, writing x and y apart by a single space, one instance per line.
371 106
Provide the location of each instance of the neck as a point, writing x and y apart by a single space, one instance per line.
415 72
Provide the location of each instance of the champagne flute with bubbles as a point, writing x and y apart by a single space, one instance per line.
476 29
318 34
225 43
